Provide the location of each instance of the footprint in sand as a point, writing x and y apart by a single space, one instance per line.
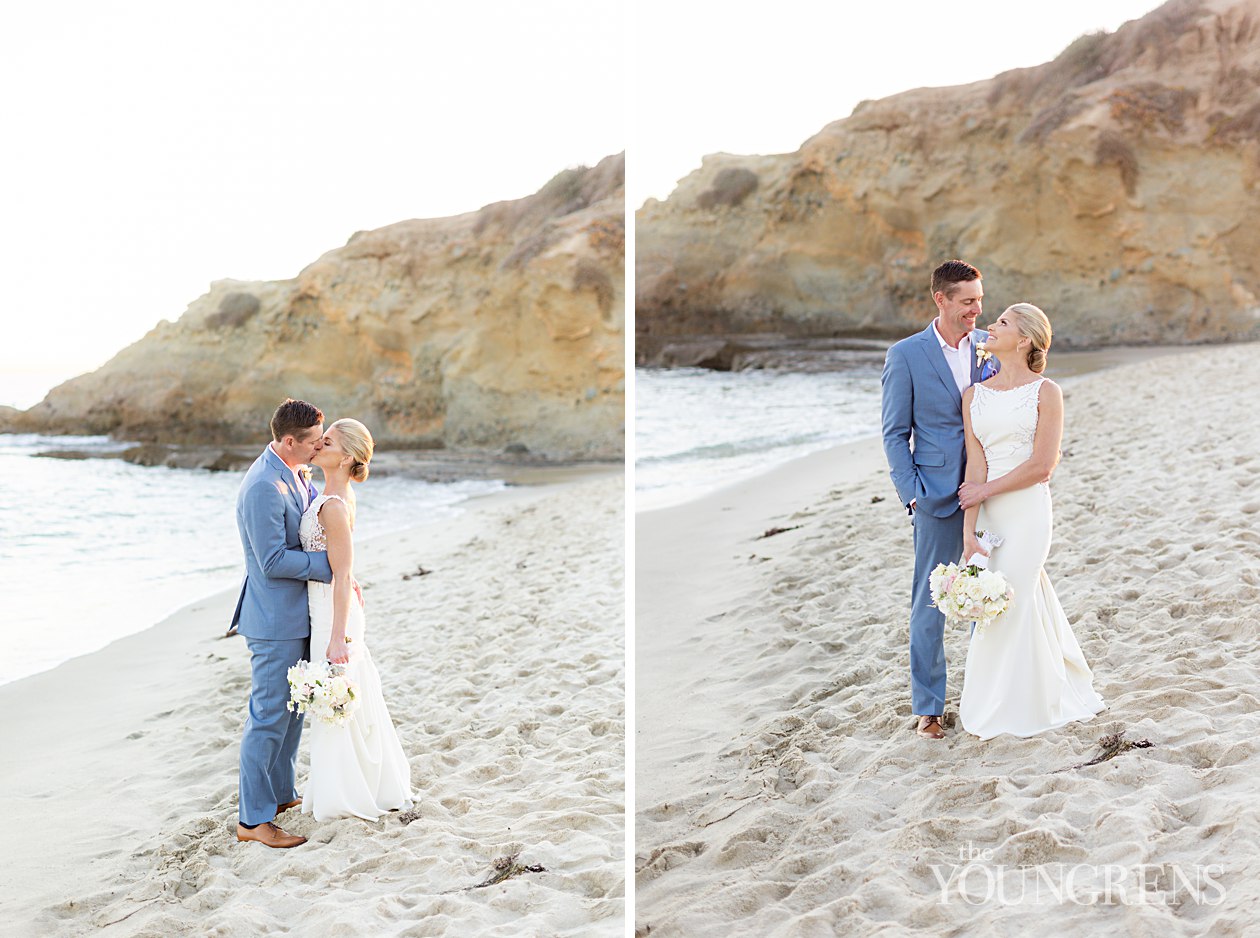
669 857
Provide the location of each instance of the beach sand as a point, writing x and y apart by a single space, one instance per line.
503 668
780 788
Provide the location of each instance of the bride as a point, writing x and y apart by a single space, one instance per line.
1025 672
357 769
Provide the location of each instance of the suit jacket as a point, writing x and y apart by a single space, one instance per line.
922 421
272 604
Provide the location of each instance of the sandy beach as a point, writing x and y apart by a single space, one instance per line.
503 667
780 788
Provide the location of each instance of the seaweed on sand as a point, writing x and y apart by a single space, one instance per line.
1112 746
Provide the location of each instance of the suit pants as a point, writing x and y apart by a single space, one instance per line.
269 746
936 540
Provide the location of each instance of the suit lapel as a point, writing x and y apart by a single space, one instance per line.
286 477
978 337
932 352
297 496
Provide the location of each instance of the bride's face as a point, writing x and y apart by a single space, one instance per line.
1004 335
331 455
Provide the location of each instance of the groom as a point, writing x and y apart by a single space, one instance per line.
272 615
923 380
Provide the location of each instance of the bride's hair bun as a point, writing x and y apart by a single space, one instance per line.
1033 324
358 444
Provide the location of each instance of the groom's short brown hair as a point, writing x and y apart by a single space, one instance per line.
951 273
293 418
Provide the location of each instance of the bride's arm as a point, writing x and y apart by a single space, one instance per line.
976 472
335 517
1041 463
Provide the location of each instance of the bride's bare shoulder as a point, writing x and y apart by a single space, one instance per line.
334 509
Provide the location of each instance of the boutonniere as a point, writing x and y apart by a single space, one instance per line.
982 354
304 472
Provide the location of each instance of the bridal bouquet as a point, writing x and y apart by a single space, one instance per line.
970 592
323 690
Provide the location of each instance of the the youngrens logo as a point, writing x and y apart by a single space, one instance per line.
976 880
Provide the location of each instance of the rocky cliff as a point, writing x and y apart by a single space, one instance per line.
1116 186
499 328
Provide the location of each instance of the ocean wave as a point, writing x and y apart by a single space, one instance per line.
733 448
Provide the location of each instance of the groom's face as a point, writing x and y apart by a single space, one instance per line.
962 306
314 441
310 442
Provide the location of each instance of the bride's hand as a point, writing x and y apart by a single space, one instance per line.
971 494
971 547
338 652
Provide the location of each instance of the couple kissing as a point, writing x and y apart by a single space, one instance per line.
300 598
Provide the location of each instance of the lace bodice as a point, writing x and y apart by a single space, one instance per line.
1005 423
310 530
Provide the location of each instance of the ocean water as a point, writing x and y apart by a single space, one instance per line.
697 430
94 550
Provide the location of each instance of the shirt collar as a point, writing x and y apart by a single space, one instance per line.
296 470
966 339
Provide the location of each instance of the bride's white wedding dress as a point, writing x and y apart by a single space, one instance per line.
1025 672
357 769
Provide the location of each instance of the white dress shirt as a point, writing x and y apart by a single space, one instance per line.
958 359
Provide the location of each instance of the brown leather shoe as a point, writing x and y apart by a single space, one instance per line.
269 835
281 808
930 727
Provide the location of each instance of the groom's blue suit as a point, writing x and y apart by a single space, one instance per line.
272 615
922 405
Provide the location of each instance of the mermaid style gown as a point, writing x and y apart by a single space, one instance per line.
1025 671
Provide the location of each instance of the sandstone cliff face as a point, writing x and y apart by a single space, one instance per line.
503 326
1116 187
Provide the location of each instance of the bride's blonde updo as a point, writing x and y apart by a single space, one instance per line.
1035 325
358 444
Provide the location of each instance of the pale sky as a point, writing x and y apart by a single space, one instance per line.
763 77
153 147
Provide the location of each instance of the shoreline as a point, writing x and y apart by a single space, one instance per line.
482 501
423 465
1071 367
525 480
122 804
781 788
750 351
